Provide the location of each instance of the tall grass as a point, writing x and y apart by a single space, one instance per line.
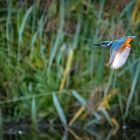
51 76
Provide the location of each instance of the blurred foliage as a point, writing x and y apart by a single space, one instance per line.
135 13
46 48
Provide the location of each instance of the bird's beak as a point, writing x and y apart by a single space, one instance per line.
97 44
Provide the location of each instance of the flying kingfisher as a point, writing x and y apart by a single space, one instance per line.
119 50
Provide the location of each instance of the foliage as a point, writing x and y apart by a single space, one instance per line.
49 67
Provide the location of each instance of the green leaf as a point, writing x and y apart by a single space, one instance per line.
136 76
24 21
33 111
59 109
106 115
80 99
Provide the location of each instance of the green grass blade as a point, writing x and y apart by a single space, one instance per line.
132 92
34 38
33 111
80 99
102 3
109 82
1 126
127 8
9 26
0 119
106 115
24 21
59 36
21 30
59 109
78 27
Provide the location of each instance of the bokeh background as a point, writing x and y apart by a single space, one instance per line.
50 71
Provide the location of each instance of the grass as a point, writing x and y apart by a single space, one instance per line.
49 69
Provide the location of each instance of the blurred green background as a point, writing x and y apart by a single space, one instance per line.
51 72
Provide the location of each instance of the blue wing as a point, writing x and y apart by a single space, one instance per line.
115 46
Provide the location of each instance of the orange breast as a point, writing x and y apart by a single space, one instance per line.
122 48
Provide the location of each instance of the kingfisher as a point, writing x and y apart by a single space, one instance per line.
119 50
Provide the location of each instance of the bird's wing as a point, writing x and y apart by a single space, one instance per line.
115 47
119 58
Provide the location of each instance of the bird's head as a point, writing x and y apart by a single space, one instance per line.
104 43
129 39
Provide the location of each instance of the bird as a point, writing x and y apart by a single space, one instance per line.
119 51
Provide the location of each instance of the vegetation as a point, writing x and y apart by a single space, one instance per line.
51 72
